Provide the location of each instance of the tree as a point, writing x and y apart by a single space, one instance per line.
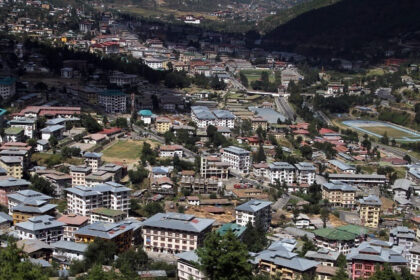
306 152
91 125
224 258
384 139
308 245
341 261
260 156
244 79
324 216
53 141
101 252
121 123
132 260
153 208
137 176
254 238
14 264
32 142
341 274
41 185
407 158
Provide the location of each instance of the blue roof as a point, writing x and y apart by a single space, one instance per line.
146 113
236 150
235 228
339 186
40 223
223 114
2 111
269 115
12 182
92 155
202 113
341 165
7 81
104 230
280 165
253 205
189 256
98 189
52 128
70 246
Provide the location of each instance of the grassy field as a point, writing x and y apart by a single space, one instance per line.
391 132
376 72
123 150
53 159
254 75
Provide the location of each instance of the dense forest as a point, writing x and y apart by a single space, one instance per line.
347 25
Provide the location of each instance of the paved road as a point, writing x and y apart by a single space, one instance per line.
285 108
325 118
396 151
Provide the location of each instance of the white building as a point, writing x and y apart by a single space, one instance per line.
82 200
414 260
171 151
305 173
107 215
7 87
28 125
155 62
69 250
187 266
44 228
402 237
224 118
203 117
252 211
56 130
93 160
121 79
238 159
281 171
114 101
173 233
78 174
303 221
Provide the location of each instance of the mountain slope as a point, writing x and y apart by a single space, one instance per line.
347 25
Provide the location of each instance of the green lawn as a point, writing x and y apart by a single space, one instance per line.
129 150
53 159
253 75
392 132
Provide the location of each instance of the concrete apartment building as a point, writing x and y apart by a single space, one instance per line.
403 237
339 194
238 159
359 179
114 101
93 160
187 266
254 210
28 125
414 260
9 186
369 211
72 223
119 233
224 118
305 173
173 233
203 117
213 166
78 174
162 125
281 171
171 151
82 200
12 165
107 215
44 228
7 87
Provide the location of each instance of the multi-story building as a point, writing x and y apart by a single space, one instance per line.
281 171
368 256
78 174
12 165
26 204
279 261
370 208
413 173
224 118
260 169
7 87
173 233
114 101
82 200
99 177
202 116
93 160
72 223
52 130
340 239
414 260
9 186
44 228
68 251
254 211
402 237
107 215
305 173
200 185
213 166
114 169
120 234
259 122
162 125
238 159
339 194
187 266
324 256
171 151
13 134
122 79
28 125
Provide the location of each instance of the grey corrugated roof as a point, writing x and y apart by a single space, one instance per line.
356 176
5 218
33 209
371 200
253 205
98 189
339 186
189 256
11 159
280 165
70 246
223 114
29 197
39 223
269 115
402 231
104 230
322 254
367 251
80 168
178 221
202 113
22 121
305 166
52 128
14 152
404 184
236 150
341 165
92 155
13 182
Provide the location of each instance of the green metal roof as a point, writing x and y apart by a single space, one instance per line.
335 234
235 228
13 130
353 229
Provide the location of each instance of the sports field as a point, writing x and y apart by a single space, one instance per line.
253 75
123 150
378 129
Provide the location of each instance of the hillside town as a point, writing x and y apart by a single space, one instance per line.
149 151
